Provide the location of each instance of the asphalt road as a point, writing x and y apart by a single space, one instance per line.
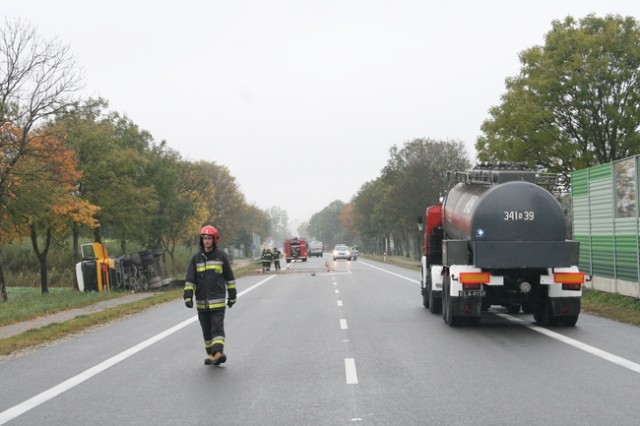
352 345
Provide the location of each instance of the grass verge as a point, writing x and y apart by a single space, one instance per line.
613 306
26 303
59 330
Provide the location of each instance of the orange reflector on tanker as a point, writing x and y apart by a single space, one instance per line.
568 277
475 277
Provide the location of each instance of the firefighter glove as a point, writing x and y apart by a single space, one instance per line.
188 297
231 302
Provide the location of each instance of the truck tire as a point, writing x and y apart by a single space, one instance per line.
425 298
435 304
447 304
543 314
423 290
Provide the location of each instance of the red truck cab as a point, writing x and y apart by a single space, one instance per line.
295 248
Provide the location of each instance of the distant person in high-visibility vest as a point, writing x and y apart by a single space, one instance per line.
276 258
210 279
267 257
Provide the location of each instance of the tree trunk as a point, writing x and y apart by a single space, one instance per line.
173 259
44 279
123 245
42 256
3 289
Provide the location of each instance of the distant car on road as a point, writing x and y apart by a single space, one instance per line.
316 248
341 251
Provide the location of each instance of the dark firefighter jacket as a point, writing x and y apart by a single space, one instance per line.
210 277
267 257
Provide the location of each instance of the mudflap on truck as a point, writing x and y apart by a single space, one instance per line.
563 311
459 310
565 306
466 310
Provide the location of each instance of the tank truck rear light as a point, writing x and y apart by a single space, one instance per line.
574 287
575 278
474 278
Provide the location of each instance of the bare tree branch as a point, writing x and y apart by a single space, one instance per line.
38 79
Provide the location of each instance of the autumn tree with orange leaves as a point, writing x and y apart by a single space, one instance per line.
46 201
37 80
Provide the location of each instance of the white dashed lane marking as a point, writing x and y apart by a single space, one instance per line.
350 369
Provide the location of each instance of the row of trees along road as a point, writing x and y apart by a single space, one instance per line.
381 217
574 104
69 167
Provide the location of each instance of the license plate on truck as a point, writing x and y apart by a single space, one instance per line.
471 293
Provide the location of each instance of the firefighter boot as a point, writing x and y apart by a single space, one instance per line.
218 358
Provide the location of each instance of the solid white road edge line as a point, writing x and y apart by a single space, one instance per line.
576 344
31 403
389 272
350 369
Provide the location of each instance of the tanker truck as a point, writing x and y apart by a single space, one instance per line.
499 239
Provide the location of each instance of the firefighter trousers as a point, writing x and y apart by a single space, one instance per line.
212 323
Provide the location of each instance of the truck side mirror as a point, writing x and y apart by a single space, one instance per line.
420 223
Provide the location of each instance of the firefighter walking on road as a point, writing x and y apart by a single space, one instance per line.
210 279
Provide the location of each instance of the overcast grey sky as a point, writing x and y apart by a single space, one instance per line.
301 99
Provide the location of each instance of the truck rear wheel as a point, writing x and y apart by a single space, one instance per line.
425 298
424 289
447 304
543 315
435 303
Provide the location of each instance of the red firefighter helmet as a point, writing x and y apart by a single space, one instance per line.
210 230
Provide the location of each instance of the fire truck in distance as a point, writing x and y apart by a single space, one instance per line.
295 248
499 239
